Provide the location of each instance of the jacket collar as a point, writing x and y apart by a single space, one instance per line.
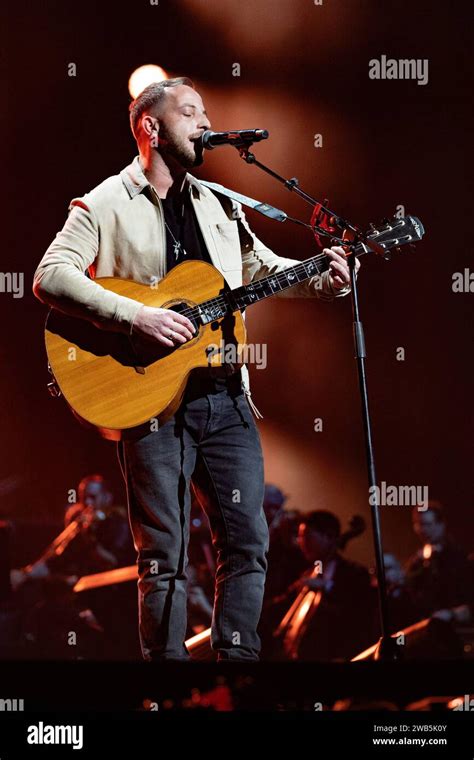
135 181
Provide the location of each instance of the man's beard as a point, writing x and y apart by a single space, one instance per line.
181 150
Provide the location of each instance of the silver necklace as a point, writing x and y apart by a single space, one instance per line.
177 245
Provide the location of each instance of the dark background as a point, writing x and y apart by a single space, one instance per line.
304 70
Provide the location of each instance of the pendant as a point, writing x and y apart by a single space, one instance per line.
177 248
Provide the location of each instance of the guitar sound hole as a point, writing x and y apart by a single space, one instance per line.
181 307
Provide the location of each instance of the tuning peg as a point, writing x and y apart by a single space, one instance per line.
372 226
387 255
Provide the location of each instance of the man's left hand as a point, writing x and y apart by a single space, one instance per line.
339 274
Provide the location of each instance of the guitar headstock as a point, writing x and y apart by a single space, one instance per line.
393 233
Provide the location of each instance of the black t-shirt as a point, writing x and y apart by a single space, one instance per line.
183 235
185 241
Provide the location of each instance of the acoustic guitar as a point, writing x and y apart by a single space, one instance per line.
117 384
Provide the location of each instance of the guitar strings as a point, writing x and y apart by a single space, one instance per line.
281 277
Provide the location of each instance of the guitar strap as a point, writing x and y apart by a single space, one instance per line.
263 208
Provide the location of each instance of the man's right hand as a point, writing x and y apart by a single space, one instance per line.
163 326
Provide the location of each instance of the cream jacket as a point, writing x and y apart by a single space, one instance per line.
117 230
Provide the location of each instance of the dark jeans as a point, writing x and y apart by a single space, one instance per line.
216 423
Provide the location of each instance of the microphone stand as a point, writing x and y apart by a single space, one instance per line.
387 649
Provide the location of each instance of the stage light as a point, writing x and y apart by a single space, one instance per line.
143 76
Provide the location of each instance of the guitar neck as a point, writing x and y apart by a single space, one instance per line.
392 234
275 283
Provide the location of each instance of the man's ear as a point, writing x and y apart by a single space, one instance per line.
150 125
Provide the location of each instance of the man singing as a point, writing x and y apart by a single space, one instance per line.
137 225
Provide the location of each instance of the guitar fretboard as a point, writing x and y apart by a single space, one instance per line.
246 295
275 283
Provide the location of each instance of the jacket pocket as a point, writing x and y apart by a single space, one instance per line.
227 242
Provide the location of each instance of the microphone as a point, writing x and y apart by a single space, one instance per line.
238 138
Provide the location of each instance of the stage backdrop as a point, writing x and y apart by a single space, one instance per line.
301 70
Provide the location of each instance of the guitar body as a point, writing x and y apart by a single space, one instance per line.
116 383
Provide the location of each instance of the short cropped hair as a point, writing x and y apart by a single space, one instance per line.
150 97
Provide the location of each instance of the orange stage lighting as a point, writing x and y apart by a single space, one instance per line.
143 76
